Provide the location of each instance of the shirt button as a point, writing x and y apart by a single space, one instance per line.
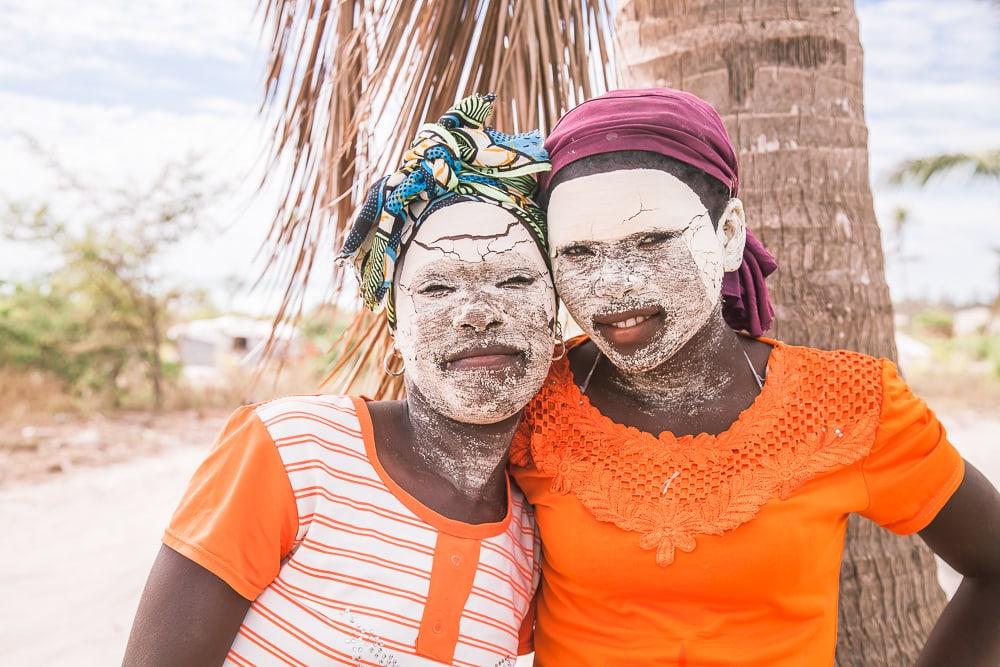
456 560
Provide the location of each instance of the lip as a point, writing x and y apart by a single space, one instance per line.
628 336
489 357
622 316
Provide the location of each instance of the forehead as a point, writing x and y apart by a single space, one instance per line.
616 204
468 234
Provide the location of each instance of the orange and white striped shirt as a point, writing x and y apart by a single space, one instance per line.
294 511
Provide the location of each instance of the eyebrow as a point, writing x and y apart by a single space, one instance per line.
635 235
671 233
447 268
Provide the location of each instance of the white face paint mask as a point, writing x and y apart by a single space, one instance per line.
474 313
638 262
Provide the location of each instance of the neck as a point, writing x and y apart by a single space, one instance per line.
470 457
707 367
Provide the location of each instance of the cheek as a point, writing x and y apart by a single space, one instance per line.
529 312
681 284
708 258
574 280
419 329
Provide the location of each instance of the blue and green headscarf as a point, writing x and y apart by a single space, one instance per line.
458 156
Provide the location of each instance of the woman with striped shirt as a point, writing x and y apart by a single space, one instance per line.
337 530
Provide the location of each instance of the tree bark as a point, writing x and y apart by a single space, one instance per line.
787 78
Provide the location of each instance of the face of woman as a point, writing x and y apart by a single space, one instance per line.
638 262
474 313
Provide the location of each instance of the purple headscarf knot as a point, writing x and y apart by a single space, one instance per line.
684 127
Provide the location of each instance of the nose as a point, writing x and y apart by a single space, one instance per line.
616 282
478 315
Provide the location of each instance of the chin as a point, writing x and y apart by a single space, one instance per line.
486 419
483 396
657 352
488 404
478 412
641 361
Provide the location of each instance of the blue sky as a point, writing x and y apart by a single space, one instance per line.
117 88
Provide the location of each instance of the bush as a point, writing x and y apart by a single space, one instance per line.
934 323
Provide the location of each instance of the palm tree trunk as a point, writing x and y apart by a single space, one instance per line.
787 78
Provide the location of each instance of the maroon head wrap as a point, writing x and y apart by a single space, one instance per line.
684 127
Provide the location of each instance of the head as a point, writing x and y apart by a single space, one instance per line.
639 244
451 247
475 311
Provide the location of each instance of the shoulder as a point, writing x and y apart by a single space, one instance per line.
310 421
815 391
307 408
830 366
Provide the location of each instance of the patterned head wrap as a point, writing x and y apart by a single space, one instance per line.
684 127
458 156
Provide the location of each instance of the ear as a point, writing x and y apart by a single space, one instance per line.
732 234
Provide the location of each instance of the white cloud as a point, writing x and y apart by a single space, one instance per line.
47 32
949 241
122 146
61 62
932 84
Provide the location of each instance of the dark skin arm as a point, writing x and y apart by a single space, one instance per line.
966 534
187 616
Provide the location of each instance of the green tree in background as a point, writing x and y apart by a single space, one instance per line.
38 324
98 322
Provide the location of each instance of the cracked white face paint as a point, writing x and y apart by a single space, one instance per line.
638 262
474 309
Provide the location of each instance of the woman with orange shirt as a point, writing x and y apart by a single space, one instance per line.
692 485
337 530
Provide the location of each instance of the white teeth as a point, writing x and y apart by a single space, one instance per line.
630 322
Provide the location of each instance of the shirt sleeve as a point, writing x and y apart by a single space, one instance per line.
238 517
912 469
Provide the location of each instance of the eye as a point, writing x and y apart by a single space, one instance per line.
654 239
516 282
577 250
435 289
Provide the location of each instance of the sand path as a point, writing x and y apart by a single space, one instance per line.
76 553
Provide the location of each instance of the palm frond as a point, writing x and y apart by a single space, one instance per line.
921 170
349 82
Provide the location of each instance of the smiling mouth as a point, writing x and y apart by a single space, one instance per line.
630 322
630 328
490 357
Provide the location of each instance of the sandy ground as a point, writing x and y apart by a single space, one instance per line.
77 552
34 449
78 547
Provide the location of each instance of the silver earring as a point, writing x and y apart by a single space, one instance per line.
388 358
559 342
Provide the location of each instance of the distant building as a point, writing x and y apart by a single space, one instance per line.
975 320
207 349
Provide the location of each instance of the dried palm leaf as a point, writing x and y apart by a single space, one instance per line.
348 83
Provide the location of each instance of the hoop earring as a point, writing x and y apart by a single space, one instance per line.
559 342
385 363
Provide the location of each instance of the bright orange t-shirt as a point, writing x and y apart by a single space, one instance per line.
722 550
293 509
